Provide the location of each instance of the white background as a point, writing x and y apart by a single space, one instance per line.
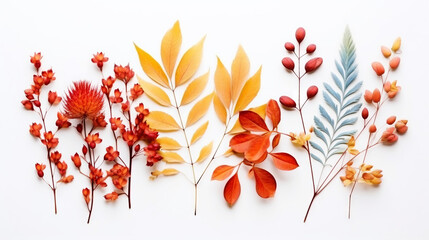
69 33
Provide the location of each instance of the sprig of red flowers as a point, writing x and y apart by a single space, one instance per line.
33 102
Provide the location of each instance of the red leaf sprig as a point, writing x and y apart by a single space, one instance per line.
254 145
33 102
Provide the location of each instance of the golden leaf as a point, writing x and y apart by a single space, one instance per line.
239 71
219 109
199 110
189 63
222 81
161 121
165 172
249 91
152 68
168 143
199 132
205 152
171 157
170 48
228 152
155 93
236 128
194 89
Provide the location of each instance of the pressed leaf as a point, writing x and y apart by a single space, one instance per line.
219 109
152 68
161 121
165 172
170 47
222 172
260 159
239 71
222 81
251 121
273 112
237 128
257 147
228 152
284 161
276 140
205 152
199 110
155 93
241 142
171 157
199 132
195 88
189 63
232 190
249 91
168 143
265 183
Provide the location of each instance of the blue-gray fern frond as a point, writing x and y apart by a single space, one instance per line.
342 102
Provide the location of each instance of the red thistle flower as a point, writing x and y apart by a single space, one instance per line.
83 101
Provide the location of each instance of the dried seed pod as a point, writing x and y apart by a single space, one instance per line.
289 46
287 102
391 120
300 34
311 48
288 63
312 91
313 64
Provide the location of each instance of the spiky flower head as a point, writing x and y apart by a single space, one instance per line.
83 101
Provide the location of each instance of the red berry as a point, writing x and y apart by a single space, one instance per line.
300 34
289 46
313 64
288 63
312 91
311 48
365 113
287 102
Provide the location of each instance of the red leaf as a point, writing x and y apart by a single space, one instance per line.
284 161
276 140
273 112
232 190
240 143
265 183
257 147
251 121
222 172
261 159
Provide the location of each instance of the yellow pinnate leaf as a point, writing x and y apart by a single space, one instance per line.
222 81
219 109
155 93
189 63
170 47
171 157
239 71
165 172
260 110
152 68
236 129
162 121
205 152
199 132
199 110
249 91
168 143
194 89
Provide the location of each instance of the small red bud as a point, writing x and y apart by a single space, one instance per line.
311 48
312 91
27 104
287 102
84 150
313 64
300 34
288 63
289 46
40 173
79 128
391 120
372 129
365 113
37 103
137 148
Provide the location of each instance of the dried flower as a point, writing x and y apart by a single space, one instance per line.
123 73
391 88
35 59
83 101
301 139
389 136
99 59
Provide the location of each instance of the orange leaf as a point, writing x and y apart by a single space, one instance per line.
232 190
222 172
284 161
170 47
273 112
239 71
199 110
276 140
257 147
152 68
265 183
240 143
189 63
249 91
251 121
219 109
259 160
194 89
223 84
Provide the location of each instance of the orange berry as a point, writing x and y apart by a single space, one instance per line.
394 63
376 95
378 68
391 120
368 96
386 51
372 129
401 126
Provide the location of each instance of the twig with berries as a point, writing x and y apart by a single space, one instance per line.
132 132
33 102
